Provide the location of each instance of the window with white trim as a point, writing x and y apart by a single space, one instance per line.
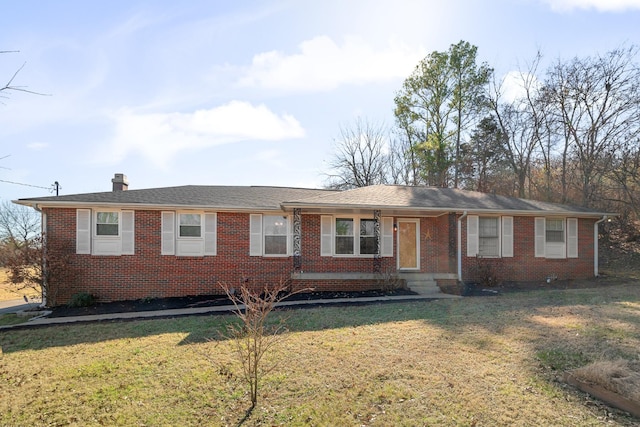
556 237
368 240
105 232
554 230
355 236
189 233
107 223
189 225
276 234
488 237
344 236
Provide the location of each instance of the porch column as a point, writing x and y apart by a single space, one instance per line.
297 246
377 258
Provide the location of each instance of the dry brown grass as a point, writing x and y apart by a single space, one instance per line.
9 291
481 361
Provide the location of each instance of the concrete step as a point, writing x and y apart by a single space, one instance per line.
423 287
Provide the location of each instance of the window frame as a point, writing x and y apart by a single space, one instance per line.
563 229
505 247
497 237
367 236
172 243
345 237
287 235
96 213
89 242
355 236
179 225
568 248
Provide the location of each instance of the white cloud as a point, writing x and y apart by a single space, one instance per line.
324 65
160 136
513 86
599 5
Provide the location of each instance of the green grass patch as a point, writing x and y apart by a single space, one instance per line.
562 360
11 319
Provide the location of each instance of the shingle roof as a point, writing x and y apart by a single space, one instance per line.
432 198
223 197
396 198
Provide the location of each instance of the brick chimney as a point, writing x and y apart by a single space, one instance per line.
120 182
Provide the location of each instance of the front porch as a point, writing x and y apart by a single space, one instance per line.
422 283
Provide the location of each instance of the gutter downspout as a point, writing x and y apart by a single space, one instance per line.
595 245
460 245
43 227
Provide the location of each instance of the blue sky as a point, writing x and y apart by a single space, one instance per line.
242 92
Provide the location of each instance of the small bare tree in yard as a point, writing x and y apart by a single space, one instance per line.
254 337
41 268
18 226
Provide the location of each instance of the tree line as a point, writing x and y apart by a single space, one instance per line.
568 134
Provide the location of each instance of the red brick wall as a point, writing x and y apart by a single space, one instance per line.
150 274
524 266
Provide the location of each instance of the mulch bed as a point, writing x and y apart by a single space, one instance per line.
151 304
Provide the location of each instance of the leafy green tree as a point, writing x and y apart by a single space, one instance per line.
483 159
469 98
437 104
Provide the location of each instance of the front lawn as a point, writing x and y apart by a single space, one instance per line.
476 361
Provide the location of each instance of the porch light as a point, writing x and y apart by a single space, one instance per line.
395 227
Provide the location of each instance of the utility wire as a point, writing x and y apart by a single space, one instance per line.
26 185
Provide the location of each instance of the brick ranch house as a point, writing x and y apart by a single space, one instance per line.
179 241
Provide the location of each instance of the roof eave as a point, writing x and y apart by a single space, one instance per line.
314 206
514 212
143 206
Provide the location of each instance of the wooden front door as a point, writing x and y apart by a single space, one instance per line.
408 244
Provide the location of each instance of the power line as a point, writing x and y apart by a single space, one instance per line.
26 185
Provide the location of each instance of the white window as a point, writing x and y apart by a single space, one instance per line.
556 237
368 240
107 224
189 233
190 225
344 236
489 236
105 232
276 234
339 236
554 230
270 235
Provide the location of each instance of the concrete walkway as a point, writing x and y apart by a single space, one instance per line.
15 305
46 321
